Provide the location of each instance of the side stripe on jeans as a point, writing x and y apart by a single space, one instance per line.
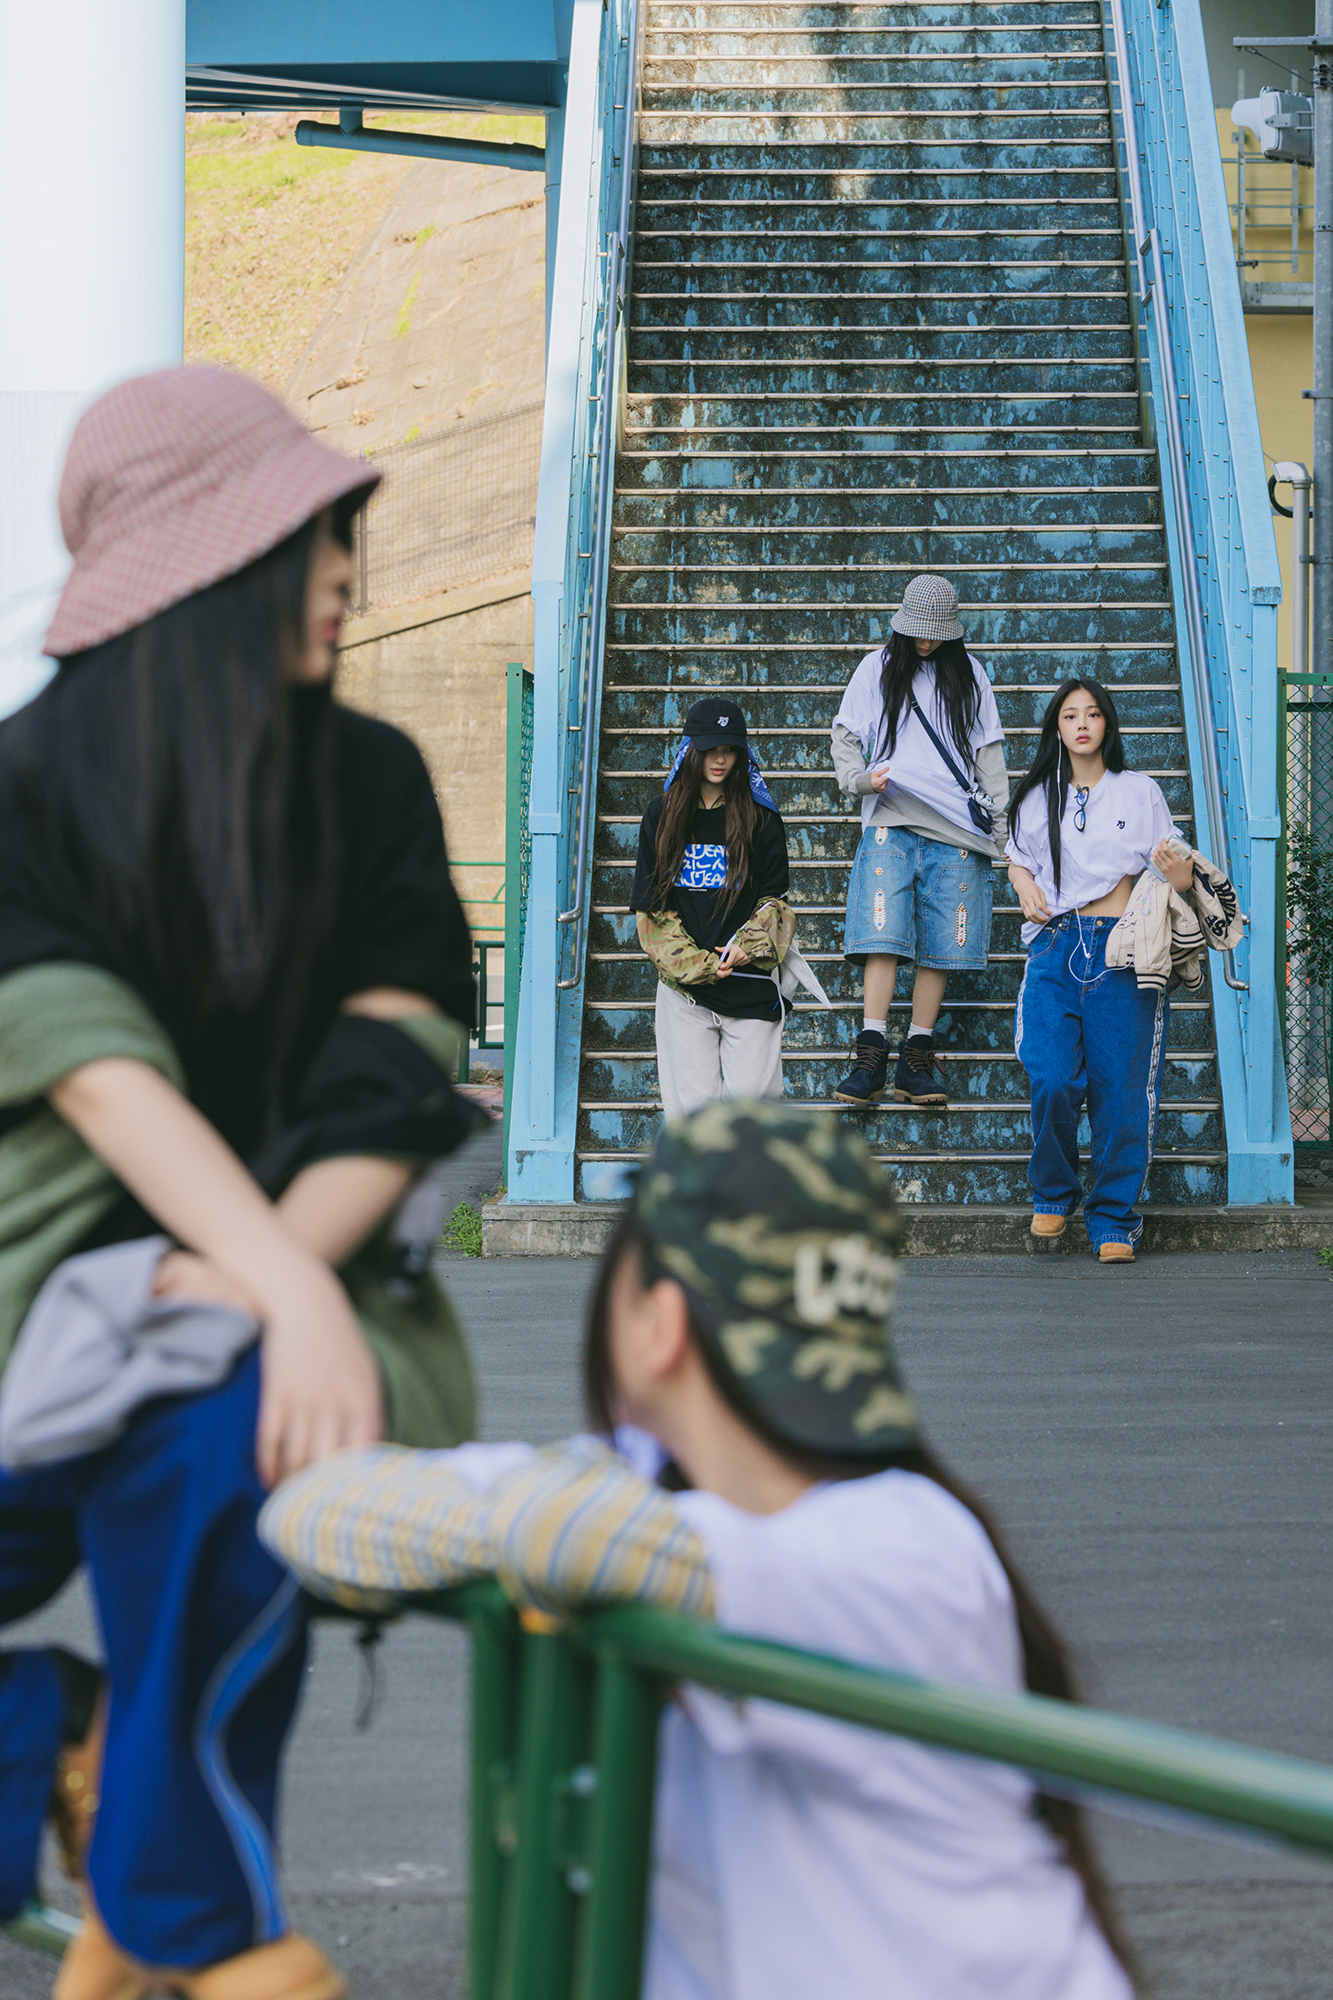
254 1655
1159 1029
1018 1012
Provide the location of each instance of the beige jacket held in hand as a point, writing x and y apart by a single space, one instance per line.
1163 935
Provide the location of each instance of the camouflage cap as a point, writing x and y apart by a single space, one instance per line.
784 1233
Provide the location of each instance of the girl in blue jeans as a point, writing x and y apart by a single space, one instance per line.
1081 830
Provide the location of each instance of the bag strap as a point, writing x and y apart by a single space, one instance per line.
970 791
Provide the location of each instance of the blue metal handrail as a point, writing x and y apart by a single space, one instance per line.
1224 567
594 631
571 559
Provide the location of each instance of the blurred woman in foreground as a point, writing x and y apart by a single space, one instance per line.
232 973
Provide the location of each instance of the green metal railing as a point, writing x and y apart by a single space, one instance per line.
1305 970
564 1747
564 1744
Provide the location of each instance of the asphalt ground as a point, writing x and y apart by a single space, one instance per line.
1155 1441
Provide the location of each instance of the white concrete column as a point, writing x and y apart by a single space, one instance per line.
92 260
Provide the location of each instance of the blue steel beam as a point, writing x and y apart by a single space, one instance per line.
279 33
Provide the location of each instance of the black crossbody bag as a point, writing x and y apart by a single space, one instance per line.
983 819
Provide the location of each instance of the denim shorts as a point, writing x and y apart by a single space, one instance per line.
911 897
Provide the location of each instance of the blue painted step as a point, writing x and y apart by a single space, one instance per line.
878 324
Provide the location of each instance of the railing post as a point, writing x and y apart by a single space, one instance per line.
495 1675
537 1931
626 1718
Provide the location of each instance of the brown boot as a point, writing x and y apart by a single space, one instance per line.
1116 1253
291 1969
95 1967
1048 1225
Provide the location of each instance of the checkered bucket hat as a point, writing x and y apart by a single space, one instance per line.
174 481
929 610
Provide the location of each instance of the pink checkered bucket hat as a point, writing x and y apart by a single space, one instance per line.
175 480
929 610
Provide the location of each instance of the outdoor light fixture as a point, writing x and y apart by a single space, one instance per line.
1281 120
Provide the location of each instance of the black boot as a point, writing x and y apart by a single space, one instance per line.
865 1080
918 1077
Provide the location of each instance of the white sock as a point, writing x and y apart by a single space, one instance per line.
869 1027
917 1029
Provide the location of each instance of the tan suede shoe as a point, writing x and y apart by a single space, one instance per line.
291 1969
95 1968
1048 1225
1116 1253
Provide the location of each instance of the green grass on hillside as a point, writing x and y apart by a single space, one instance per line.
271 228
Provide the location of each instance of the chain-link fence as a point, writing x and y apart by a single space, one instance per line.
1309 932
454 506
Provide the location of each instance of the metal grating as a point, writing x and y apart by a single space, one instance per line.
1308 989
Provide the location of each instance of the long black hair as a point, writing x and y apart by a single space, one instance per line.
955 683
673 829
168 803
1046 1665
1051 767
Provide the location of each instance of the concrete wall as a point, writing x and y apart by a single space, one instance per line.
1281 344
1281 356
437 670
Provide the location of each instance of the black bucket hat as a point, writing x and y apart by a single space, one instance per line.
716 720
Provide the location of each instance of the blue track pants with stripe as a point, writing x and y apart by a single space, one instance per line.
205 1646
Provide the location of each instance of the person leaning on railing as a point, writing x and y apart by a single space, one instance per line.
740 1326
232 973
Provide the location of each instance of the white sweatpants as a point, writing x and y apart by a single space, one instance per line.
702 1055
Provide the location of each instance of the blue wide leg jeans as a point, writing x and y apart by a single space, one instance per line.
205 1645
1088 1034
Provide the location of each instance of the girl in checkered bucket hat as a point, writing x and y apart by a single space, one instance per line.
233 973
918 740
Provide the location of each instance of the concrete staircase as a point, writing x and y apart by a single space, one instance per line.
879 326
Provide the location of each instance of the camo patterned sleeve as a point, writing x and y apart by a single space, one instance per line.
679 960
765 937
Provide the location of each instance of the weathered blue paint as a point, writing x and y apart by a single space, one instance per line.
581 391
1233 555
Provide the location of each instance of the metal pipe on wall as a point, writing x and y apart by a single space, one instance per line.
358 138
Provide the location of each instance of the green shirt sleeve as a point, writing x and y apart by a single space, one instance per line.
54 1018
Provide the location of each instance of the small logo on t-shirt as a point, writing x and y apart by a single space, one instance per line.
704 866
1121 824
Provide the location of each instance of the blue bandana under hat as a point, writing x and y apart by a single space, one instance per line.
757 786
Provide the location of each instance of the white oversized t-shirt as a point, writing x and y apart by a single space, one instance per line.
1125 816
797 1858
916 766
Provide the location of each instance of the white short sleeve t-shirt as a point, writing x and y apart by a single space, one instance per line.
916 766
1124 818
797 1857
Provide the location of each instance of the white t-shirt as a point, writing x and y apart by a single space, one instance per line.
1124 818
796 1857
916 766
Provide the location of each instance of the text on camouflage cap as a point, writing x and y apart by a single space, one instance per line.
784 1233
